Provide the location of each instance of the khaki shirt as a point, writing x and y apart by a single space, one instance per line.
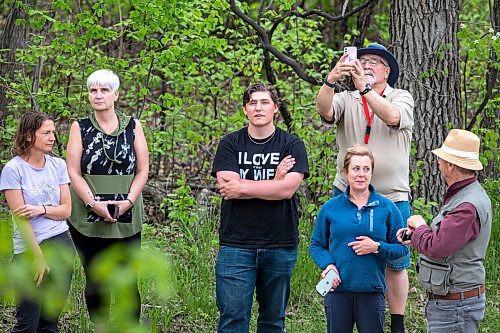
390 144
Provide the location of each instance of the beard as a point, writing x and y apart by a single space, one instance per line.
369 79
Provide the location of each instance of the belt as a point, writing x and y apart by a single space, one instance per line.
459 296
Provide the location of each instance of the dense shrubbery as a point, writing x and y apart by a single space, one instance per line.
184 65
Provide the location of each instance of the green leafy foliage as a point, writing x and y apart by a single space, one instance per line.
423 207
477 43
183 67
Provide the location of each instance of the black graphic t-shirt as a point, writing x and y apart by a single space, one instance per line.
258 223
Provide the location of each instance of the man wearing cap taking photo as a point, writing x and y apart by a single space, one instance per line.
381 117
453 248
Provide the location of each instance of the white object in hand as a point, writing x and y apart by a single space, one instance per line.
324 286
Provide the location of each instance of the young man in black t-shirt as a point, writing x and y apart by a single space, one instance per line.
258 168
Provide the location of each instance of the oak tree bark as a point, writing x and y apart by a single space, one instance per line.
423 38
12 38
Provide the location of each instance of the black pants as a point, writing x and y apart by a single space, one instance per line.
343 309
98 299
31 314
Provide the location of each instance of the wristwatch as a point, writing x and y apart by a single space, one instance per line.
378 248
329 84
89 205
368 88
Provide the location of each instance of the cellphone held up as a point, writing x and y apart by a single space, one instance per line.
352 52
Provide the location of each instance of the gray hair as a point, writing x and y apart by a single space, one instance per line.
104 77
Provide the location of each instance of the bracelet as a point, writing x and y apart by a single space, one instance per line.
44 210
129 201
329 84
89 205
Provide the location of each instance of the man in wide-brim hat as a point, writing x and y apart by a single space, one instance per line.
381 117
453 248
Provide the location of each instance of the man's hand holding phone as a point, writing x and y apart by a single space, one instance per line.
344 66
404 235
352 54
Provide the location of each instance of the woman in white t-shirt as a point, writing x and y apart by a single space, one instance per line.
35 185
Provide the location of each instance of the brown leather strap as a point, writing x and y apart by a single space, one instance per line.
458 296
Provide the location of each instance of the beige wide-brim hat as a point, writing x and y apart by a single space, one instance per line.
461 148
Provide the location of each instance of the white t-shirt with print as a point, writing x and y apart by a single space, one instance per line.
39 186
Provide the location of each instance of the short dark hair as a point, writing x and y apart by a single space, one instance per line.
261 87
357 150
465 171
24 138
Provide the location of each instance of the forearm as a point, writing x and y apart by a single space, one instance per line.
431 244
142 171
390 251
28 236
59 212
271 189
386 111
324 103
137 185
38 261
458 227
81 188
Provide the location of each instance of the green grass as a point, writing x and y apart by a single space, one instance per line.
191 245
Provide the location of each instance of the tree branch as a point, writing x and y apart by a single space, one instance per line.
264 38
272 79
320 13
491 78
491 82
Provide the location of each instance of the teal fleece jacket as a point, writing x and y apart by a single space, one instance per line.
339 222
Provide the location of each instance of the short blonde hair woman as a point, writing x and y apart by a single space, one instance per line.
355 235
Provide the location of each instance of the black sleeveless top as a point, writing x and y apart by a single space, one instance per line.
105 154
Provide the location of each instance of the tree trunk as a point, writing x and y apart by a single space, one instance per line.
12 38
423 35
491 119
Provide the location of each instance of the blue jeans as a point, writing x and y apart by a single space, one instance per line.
462 316
403 262
343 309
239 272
405 210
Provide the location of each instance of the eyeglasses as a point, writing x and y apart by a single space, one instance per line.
372 62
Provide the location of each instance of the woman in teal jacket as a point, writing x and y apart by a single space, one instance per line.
355 234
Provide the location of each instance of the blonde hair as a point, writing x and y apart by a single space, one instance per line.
357 150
